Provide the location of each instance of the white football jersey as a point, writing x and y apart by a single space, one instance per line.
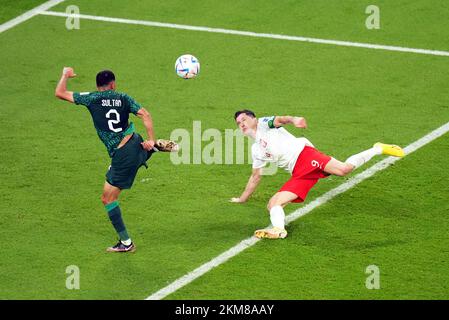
276 145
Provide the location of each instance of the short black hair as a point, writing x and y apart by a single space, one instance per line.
245 111
104 78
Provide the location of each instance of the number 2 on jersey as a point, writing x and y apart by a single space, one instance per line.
113 121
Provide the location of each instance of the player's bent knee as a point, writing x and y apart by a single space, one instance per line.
342 170
346 169
106 199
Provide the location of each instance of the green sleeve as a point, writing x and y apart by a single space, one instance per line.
271 122
133 105
81 98
268 122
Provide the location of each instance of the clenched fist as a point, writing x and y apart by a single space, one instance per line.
299 122
68 72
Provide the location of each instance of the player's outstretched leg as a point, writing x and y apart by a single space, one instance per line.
363 157
109 199
339 168
277 216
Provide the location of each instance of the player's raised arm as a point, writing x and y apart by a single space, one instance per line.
298 122
148 123
251 186
61 89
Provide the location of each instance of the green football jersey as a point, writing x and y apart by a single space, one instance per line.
110 113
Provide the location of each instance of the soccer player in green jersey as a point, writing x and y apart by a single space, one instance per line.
110 112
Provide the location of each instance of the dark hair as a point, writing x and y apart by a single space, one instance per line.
104 78
245 111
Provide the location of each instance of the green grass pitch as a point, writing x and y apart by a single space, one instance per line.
52 163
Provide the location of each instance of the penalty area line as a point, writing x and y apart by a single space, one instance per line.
29 14
249 242
248 33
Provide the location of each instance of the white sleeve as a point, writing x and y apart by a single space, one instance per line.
257 164
257 161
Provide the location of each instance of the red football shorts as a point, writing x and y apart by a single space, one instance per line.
308 169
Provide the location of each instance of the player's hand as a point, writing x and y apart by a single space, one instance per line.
236 200
68 72
299 122
148 144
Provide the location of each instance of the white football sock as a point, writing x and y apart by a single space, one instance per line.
363 157
127 242
277 217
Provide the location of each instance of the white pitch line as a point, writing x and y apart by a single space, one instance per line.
249 33
29 14
249 242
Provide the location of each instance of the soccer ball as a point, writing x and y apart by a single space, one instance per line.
187 66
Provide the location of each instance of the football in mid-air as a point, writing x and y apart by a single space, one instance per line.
187 66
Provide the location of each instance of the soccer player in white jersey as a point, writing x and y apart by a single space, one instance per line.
296 155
